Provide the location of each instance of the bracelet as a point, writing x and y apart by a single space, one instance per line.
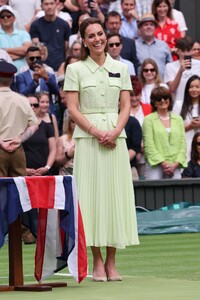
88 130
48 167
67 156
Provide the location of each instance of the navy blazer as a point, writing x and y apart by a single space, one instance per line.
26 85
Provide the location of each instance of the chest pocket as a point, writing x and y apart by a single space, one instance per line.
88 93
88 83
115 83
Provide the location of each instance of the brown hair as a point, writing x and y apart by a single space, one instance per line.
156 3
159 92
154 64
89 21
194 152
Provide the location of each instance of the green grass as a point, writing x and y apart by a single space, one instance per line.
172 256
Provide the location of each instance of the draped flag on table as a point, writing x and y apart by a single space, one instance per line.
60 238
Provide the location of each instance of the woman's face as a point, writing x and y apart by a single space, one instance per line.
76 49
196 50
149 72
34 103
162 10
162 104
95 39
135 100
44 103
194 89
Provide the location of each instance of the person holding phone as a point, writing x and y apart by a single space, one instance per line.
36 78
190 110
178 72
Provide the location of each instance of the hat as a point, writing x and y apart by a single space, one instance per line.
8 8
148 17
6 69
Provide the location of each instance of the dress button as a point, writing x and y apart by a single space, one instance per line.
101 69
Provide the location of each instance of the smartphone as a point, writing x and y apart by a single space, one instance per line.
39 61
93 12
188 57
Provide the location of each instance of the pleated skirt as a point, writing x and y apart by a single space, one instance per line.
106 195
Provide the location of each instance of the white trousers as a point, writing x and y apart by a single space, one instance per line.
157 173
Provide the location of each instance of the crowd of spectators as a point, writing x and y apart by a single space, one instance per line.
41 37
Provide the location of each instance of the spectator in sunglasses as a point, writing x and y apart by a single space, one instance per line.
36 78
114 43
164 138
190 110
193 168
149 78
14 42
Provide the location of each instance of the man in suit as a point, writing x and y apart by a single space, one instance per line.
113 24
36 78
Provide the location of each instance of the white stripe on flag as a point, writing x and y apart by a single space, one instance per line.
52 244
73 257
59 201
23 193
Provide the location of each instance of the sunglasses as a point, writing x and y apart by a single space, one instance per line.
149 70
198 143
160 98
111 45
35 105
32 58
6 16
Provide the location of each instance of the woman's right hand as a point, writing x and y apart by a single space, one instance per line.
195 123
105 138
30 172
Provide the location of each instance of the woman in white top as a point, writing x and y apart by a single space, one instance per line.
149 78
190 110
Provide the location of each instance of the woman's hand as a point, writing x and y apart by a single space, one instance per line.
30 172
195 123
109 139
41 171
169 168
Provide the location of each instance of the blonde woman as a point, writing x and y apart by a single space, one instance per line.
149 78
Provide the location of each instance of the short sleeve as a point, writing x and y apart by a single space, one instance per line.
71 79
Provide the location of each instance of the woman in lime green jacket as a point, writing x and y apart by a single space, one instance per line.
164 138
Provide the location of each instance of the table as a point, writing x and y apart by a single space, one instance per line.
60 238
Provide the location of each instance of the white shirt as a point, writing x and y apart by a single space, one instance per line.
129 64
179 18
171 71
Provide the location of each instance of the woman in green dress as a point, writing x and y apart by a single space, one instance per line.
95 85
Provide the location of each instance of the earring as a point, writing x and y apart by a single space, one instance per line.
85 45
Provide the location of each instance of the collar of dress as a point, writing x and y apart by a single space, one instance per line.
93 66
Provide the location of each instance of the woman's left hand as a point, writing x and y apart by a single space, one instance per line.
109 140
170 168
41 171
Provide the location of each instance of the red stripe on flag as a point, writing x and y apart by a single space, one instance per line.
41 192
82 251
41 238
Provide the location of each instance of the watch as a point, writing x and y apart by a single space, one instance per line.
48 167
